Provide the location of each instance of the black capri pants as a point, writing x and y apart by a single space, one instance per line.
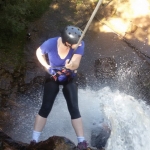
70 91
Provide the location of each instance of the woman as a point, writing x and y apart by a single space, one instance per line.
61 72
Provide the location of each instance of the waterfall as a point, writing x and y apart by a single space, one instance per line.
129 117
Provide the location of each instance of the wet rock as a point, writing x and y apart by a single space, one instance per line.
105 67
144 77
38 80
16 75
4 116
5 81
81 80
100 136
2 71
29 76
10 83
4 100
7 143
8 68
23 88
35 30
53 143
32 71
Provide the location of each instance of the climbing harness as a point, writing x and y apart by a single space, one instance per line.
61 74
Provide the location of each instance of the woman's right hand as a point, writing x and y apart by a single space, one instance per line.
47 68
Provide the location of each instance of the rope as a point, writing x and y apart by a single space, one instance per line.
123 38
88 24
95 17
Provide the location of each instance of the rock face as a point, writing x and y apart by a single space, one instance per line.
105 67
7 143
100 136
53 143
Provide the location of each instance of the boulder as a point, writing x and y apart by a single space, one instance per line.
52 143
100 136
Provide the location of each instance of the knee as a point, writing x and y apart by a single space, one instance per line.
44 111
70 91
74 112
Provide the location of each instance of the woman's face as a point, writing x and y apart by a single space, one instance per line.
73 45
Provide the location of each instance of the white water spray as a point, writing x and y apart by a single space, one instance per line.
130 118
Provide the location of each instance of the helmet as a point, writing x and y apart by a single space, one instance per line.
71 34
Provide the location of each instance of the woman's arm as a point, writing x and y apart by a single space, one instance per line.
42 58
74 63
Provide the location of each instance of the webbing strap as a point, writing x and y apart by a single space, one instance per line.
61 72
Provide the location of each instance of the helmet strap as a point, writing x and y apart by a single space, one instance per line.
65 43
70 45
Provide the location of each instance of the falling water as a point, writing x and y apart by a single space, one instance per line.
129 118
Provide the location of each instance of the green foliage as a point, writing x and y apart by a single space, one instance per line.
13 20
37 9
14 17
12 53
79 1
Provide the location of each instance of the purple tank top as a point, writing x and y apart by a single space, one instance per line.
50 47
